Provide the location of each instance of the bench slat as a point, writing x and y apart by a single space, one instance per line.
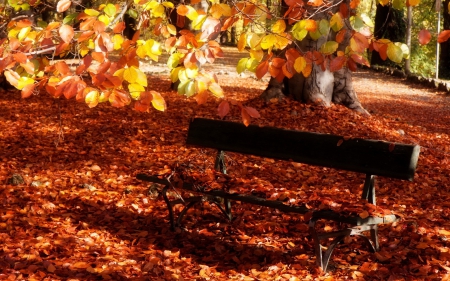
359 155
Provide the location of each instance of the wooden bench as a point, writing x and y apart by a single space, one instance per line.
371 157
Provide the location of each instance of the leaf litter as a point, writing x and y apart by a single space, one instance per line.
80 214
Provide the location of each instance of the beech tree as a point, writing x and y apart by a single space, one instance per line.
316 44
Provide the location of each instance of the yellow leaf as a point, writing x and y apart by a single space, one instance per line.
444 232
216 90
104 19
135 90
117 40
279 26
24 81
130 74
158 101
253 41
119 73
241 42
23 33
92 98
268 41
299 64
168 5
336 22
171 28
141 78
91 12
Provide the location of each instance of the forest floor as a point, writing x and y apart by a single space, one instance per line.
82 215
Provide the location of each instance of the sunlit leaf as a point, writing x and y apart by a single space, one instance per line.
110 10
63 5
394 53
66 32
91 98
158 101
443 36
216 90
279 26
329 47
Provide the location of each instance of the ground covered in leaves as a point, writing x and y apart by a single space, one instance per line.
80 214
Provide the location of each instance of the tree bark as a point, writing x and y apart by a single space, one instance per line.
444 58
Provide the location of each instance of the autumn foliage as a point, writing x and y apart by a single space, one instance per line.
109 69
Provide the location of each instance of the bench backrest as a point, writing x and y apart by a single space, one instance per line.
371 157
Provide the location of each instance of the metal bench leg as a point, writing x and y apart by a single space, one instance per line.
169 207
374 236
322 259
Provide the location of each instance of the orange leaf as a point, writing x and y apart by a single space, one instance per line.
63 5
119 98
245 117
143 104
28 90
66 32
444 36
340 36
337 63
98 56
354 4
201 98
28 66
223 109
315 3
119 27
85 35
262 69
311 25
20 57
62 67
182 10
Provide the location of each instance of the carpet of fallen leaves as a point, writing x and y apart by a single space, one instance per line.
80 214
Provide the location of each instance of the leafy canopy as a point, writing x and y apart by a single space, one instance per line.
109 68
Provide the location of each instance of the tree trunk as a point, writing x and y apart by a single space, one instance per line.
444 58
390 24
321 86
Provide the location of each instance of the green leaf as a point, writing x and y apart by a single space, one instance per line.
190 89
70 19
357 22
398 4
133 13
300 34
324 27
315 35
110 10
329 47
394 53
405 49
251 65
174 60
242 65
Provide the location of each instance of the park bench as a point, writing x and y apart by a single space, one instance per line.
371 157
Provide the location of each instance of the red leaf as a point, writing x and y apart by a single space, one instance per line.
252 112
262 69
444 36
223 109
424 37
119 27
337 63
